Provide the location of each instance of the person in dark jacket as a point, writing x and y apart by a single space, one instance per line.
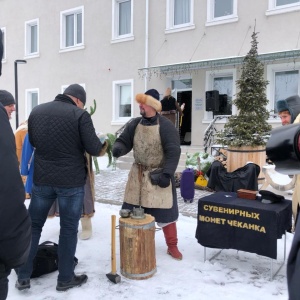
15 225
156 144
169 106
61 132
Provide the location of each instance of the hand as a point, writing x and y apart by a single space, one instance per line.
164 180
116 151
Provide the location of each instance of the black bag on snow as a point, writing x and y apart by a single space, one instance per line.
46 259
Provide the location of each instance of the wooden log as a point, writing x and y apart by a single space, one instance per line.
137 247
237 157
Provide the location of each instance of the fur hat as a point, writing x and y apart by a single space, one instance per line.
282 105
76 91
293 103
269 197
6 98
151 98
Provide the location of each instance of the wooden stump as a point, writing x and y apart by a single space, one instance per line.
237 157
137 247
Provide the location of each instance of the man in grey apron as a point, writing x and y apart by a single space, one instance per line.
156 144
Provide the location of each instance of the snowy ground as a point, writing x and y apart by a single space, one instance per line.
231 275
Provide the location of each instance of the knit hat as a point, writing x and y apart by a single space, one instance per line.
151 98
76 91
6 98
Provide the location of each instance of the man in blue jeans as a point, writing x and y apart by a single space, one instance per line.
61 132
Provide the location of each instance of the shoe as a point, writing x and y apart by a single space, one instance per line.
75 281
22 284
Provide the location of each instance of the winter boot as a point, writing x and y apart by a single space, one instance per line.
170 232
86 225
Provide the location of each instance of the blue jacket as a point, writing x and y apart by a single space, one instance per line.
27 163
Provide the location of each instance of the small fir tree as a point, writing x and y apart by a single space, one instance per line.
250 126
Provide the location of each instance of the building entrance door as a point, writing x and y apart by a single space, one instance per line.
185 125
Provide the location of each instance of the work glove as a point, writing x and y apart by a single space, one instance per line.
164 180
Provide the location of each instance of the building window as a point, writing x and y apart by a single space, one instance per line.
32 37
179 14
224 85
284 82
221 11
122 19
4 43
122 100
224 82
282 6
32 100
71 28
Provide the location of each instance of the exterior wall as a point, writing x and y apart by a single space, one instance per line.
102 61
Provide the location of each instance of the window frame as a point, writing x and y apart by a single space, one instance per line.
170 26
28 25
63 15
116 119
115 22
211 20
272 69
209 81
274 10
3 29
28 106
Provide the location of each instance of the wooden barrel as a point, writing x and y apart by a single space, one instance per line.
137 247
237 157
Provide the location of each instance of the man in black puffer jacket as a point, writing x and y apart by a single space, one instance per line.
15 225
61 132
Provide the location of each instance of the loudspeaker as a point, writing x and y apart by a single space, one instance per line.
212 100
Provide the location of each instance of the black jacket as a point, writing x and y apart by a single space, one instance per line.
1 51
15 224
61 132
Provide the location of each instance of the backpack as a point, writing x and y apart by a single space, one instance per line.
46 259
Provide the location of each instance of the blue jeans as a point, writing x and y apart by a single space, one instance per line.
70 201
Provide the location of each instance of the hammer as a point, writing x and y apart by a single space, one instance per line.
113 276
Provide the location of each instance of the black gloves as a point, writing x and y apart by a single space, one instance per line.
116 151
164 180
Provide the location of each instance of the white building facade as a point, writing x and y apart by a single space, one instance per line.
118 48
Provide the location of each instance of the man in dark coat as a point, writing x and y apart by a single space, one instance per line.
156 144
61 131
15 225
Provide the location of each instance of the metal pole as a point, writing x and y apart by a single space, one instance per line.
16 94
18 61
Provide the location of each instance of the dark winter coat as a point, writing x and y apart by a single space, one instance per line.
61 132
293 265
171 147
15 224
1 52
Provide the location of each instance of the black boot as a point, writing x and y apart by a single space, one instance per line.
75 281
22 284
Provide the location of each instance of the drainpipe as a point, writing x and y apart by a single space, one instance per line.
146 43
